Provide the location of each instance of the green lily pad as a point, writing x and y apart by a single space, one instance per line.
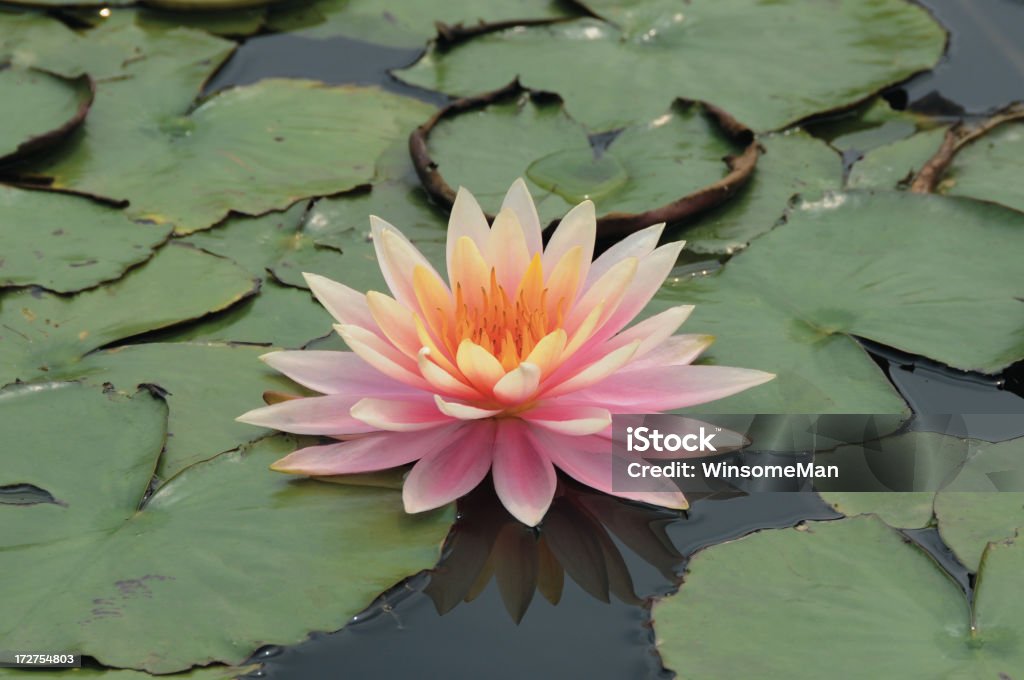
179 59
852 594
854 247
228 23
984 168
791 163
208 5
274 243
244 555
971 513
815 372
280 316
66 243
895 164
646 166
191 168
42 332
737 55
205 387
210 673
403 23
41 109
873 125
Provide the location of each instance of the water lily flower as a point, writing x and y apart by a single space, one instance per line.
513 366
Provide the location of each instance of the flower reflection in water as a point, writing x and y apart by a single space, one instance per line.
576 539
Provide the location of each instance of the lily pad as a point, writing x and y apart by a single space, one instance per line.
279 316
645 167
853 247
249 149
208 5
791 163
66 243
984 168
985 502
41 109
208 548
852 594
894 165
205 387
815 372
42 332
209 673
274 243
404 23
873 125
737 55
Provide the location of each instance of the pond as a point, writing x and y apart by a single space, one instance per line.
572 599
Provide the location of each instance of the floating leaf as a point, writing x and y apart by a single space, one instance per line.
985 168
403 23
791 163
42 332
738 55
984 503
248 149
873 125
41 109
205 387
244 555
854 594
646 167
66 243
895 164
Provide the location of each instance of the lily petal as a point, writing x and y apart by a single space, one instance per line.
328 415
394 415
379 451
454 470
577 228
519 201
346 305
638 245
575 419
330 372
459 411
519 384
467 219
524 479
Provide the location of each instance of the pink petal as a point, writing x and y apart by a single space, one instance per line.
577 228
651 274
607 292
335 373
523 478
443 381
519 384
575 419
382 355
310 415
638 245
398 259
663 388
519 201
654 330
589 461
452 471
378 451
346 305
673 351
506 251
594 373
463 411
394 415
467 219
395 321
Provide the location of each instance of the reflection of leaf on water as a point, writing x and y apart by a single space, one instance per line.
577 538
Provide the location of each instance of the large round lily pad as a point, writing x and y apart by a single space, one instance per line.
850 594
66 243
404 23
248 149
736 54
40 109
224 558
664 163
41 332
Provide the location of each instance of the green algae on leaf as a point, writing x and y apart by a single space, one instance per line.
67 243
736 54
206 548
840 588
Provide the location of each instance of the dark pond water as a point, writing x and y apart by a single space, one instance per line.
600 625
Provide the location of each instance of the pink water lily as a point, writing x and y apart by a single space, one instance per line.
514 366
